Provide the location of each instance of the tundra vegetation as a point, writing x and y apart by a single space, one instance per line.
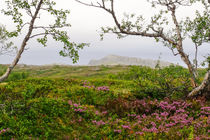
98 102
102 102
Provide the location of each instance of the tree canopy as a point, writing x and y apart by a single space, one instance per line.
26 15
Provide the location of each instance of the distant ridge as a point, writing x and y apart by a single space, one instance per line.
123 60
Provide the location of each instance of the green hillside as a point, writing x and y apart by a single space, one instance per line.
101 102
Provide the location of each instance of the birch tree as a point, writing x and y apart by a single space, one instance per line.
173 38
5 46
25 14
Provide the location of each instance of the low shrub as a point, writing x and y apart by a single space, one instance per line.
158 83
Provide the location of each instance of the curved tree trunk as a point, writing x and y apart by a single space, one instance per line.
180 49
24 43
204 87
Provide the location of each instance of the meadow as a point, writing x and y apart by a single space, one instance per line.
102 103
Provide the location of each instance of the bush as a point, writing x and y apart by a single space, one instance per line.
14 76
158 83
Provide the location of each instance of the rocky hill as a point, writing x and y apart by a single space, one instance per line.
122 60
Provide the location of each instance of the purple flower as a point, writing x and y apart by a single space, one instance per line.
180 110
70 102
164 114
139 133
4 130
144 116
103 88
79 110
153 124
99 123
97 113
126 127
75 105
170 124
104 112
118 131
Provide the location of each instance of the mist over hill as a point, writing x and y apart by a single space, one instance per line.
123 60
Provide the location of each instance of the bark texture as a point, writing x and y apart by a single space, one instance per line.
203 88
23 45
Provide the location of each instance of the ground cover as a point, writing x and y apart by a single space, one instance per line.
139 103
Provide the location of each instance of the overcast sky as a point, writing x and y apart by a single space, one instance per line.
86 23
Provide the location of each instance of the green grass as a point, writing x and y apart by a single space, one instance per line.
56 71
100 102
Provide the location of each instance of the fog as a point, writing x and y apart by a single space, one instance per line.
86 23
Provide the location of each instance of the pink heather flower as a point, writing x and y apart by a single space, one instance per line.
117 131
4 130
104 112
144 116
145 129
178 133
147 110
155 114
175 103
139 122
164 114
100 123
158 118
180 110
135 124
173 108
69 102
103 88
154 129
197 138
139 133
206 108
97 113
126 127
138 117
80 119
75 105
144 104
79 110
170 124
153 124
161 127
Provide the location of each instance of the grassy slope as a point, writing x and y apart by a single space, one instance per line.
72 102
56 71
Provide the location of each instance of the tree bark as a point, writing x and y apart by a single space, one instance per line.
180 49
24 43
204 87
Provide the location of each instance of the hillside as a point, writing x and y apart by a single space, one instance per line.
100 103
123 60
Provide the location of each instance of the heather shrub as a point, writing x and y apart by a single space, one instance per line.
158 83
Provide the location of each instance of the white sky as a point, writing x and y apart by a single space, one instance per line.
86 23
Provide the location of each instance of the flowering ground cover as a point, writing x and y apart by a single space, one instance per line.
101 109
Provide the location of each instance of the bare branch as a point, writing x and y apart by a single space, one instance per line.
127 32
41 34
